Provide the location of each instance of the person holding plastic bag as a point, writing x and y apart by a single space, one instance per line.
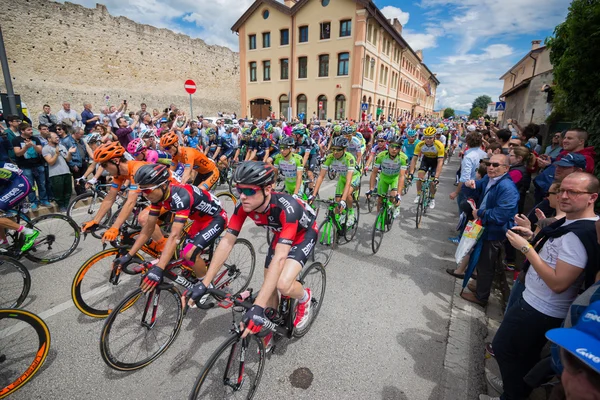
497 200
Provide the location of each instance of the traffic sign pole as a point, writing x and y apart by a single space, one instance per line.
190 87
191 112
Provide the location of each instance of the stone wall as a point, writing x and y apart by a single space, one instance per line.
60 52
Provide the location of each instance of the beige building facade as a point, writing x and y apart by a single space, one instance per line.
332 58
526 87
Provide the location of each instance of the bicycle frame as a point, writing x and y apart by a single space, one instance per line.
386 205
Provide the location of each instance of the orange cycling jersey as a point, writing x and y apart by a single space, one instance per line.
132 167
190 157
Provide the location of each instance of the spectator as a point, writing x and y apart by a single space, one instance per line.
564 259
66 115
555 147
469 165
48 119
497 199
88 118
115 113
105 121
12 132
28 150
57 156
521 159
44 134
143 110
125 132
78 163
504 136
5 148
145 124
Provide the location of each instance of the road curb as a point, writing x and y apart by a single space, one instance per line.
463 376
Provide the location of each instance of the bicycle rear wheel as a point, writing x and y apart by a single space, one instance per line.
371 201
141 328
351 230
378 230
91 290
326 242
228 202
15 282
314 278
233 371
59 237
236 273
85 206
24 346
419 215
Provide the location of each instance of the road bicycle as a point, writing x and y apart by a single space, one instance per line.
84 207
143 326
384 221
59 237
234 370
15 282
424 199
333 228
24 346
407 185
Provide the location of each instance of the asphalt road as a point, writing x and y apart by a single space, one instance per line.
381 333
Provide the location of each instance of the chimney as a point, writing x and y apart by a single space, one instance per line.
535 44
397 26
289 3
419 54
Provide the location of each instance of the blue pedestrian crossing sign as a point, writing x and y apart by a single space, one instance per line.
364 106
500 105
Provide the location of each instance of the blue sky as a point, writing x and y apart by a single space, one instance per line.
468 43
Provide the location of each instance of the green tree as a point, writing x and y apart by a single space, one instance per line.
449 112
476 113
577 93
481 102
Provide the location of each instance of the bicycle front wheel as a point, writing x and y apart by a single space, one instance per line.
326 242
85 206
378 230
419 215
59 237
92 290
24 346
141 328
312 277
15 283
233 371
238 269
228 202
351 230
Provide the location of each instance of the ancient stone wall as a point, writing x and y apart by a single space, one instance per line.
65 51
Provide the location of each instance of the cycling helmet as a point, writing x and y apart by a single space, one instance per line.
254 173
93 138
169 139
340 141
152 175
299 130
429 131
387 125
211 132
246 131
108 151
135 146
347 130
382 136
439 131
146 133
379 128
337 128
316 128
287 141
396 140
411 132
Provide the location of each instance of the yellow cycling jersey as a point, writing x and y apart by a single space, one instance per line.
434 151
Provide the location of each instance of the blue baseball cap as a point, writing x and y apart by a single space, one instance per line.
572 160
583 339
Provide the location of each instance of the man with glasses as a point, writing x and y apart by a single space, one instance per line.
186 202
11 132
111 157
393 165
290 165
433 160
554 149
564 259
293 223
380 145
497 199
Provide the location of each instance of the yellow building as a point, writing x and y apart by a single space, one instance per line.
332 58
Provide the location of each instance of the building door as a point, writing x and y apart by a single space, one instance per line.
322 107
260 108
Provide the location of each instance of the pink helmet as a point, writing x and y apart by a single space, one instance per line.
135 146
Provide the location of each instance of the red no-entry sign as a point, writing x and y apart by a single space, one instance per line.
190 86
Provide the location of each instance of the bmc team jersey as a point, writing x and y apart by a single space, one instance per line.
436 150
289 169
188 201
194 158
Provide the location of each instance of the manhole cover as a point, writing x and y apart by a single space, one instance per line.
301 378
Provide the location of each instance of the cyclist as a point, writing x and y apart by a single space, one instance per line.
411 141
344 164
393 164
290 165
308 150
354 144
380 145
294 224
187 202
14 187
433 159
192 159
140 152
111 157
211 147
225 148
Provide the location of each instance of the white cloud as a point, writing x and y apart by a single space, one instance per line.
492 52
419 41
392 12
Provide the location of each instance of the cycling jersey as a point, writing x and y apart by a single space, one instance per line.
194 158
354 146
289 169
391 166
132 167
409 148
436 150
14 187
292 221
367 132
342 166
378 149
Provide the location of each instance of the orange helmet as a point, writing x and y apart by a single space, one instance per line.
108 151
169 139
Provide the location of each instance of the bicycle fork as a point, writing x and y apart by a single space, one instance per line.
236 386
151 303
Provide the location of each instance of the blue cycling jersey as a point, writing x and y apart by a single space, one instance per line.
409 148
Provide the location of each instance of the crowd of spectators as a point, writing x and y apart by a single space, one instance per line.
539 202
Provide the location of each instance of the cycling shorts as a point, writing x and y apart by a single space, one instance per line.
229 154
301 247
205 230
429 163
209 179
387 184
339 189
312 163
12 193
